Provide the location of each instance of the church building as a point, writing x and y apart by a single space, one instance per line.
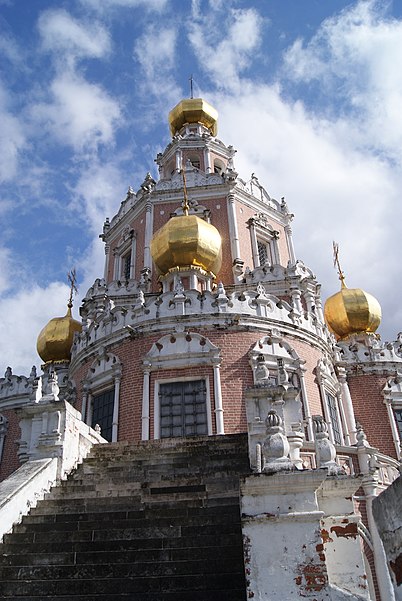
210 428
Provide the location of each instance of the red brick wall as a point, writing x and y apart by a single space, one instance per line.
235 372
371 411
9 462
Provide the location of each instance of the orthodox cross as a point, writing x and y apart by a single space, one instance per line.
72 278
337 264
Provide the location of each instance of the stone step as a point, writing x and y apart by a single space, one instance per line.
116 586
229 541
109 569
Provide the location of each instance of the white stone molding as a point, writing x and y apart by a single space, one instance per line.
289 242
328 383
324 449
178 350
261 229
16 390
127 244
275 448
105 372
3 432
347 405
392 393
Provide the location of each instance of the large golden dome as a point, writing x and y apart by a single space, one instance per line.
193 110
187 240
55 339
351 311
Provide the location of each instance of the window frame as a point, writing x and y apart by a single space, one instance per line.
157 406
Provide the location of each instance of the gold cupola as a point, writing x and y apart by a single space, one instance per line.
351 310
56 338
187 241
193 110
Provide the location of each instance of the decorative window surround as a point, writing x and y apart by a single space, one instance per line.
104 373
3 432
329 385
392 393
178 350
125 248
262 233
157 409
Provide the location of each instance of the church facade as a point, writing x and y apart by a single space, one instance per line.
206 324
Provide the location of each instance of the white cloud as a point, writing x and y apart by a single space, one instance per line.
62 33
81 114
353 57
28 310
103 5
12 139
224 46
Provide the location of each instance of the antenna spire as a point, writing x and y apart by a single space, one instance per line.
72 278
337 264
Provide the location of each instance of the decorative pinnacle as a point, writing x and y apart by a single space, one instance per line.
71 276
337 264
185 205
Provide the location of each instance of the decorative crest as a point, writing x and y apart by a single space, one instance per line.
337 264
72 278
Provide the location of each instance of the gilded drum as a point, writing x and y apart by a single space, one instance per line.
55 339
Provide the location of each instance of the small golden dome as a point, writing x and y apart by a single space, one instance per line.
187 240
55 339
193 110
351 311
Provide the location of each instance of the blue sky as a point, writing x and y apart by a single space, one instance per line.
309 93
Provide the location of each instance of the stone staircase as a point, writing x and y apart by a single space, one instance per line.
158 521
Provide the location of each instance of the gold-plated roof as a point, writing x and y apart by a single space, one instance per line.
187 240
193 110
352 310
55 339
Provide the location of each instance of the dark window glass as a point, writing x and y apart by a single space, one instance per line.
126 266
183 410
264 252
102 412
333 416
398 419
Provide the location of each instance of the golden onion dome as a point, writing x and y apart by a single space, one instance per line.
55 339
187 240
193 110
352 311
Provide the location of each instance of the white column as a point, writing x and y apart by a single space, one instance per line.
254 247
145 406
289 240
347 406
132 258
234 232
394 429
207 160
307 413
220 428
107 255
115 419
178 161
84 406
148 235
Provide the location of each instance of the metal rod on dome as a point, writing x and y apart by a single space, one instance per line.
72 278
337 264
191 86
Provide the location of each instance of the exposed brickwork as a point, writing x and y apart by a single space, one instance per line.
9 462
371 411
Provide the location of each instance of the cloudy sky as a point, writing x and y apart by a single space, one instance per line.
309 92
